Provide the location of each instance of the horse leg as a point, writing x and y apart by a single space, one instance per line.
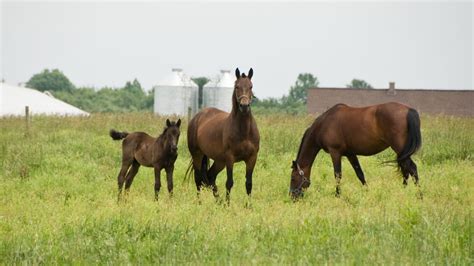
249 166
358 170
157 180
197 161
121 176
230 179
215 169
405 169
413 171
131 175
204 177
169 179
336 162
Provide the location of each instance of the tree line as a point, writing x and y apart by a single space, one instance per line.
132 97
129 98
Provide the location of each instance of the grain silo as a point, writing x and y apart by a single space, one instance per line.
218 92
175 94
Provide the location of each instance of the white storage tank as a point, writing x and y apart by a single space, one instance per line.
175 94
218 93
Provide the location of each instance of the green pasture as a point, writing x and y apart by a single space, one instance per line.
58 202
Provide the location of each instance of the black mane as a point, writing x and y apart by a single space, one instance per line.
302 141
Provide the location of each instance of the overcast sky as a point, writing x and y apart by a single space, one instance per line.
417 45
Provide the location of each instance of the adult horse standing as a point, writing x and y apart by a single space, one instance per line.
226 138
349 131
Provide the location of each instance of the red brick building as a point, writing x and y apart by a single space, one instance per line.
448 102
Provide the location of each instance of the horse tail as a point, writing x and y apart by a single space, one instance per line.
413 142
117 135
204 169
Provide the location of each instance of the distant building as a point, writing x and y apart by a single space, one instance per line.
218 92
177 93
448 102
14 99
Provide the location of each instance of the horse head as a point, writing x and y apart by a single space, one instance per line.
243 90
171 135
299 182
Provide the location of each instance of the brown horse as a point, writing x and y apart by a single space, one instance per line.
348 131
225 138
139 148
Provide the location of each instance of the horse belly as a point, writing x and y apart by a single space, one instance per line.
368 148
144 156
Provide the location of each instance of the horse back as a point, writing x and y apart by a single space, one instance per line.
139 145
360 130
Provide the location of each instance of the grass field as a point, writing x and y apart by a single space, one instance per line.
58 201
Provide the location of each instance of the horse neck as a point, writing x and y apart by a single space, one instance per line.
308 151
160 141
242 122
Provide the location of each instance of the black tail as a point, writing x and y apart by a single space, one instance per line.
413 137
116 135
204 169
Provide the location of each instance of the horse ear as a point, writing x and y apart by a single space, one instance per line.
178 123
168 123
237 73
250 73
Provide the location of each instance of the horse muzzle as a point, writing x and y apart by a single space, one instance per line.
296 193
174 149
244 108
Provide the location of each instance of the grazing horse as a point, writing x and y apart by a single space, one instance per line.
348 131
139 148
225 138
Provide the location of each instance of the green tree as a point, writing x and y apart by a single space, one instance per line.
299 91
200 82
129 98
47 80
134 86
359 84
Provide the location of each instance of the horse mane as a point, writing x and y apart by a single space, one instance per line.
162 133
302 141
318 120
165 129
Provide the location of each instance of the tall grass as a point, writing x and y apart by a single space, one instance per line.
58 201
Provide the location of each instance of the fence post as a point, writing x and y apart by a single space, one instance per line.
27 119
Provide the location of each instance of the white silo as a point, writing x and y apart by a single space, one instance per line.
218 93
175 94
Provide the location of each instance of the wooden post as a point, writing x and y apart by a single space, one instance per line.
189 113
27 119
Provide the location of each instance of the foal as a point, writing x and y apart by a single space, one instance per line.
348 131
139 148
